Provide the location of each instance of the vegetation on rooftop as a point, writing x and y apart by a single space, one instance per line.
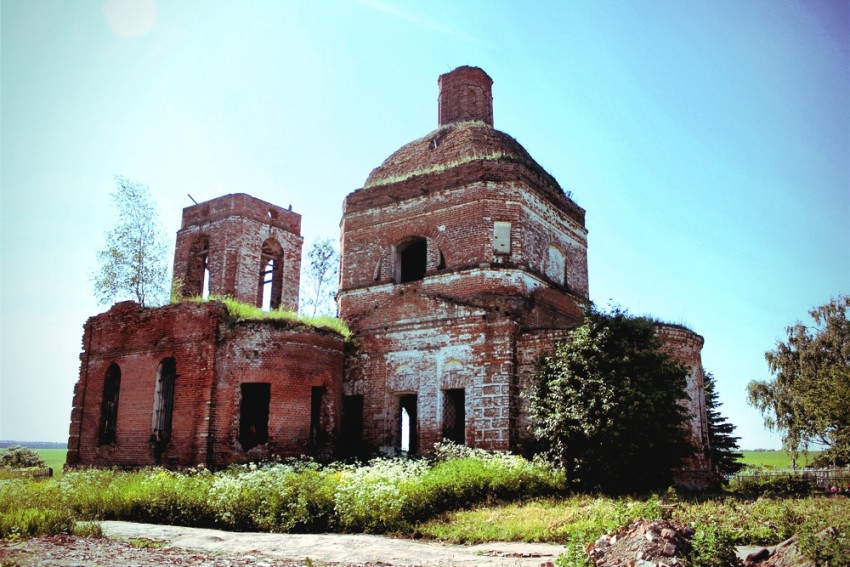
239 311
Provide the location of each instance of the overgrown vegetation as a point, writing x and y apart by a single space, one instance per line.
460 495
577 520
133 263
239 311
385 495
607 405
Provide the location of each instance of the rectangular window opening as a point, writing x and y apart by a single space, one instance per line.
317 396
454 416
254 415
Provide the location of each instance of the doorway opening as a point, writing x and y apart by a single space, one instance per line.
254 415
407 424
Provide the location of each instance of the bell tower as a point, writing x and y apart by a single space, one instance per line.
242 247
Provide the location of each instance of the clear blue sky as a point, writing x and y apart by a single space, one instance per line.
708 142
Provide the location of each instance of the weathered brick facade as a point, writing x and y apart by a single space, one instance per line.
240 242
214 357
686 347
502 254
462 261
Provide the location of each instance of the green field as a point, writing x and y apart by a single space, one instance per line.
54 458
775 459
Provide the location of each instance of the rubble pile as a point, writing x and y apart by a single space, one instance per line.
644 543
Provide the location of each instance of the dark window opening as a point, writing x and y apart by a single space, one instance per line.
317 396
163 405
351 431
109 405
270 288
197 270
254 415
407 421
412 260
454 416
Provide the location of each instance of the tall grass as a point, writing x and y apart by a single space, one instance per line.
461 495
385 495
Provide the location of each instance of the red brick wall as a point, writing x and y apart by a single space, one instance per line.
458 327
214 355
459 223
292 361
465 94
686 347
424 346
236 226
138 340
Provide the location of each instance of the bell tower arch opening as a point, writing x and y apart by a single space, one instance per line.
270 286
197 281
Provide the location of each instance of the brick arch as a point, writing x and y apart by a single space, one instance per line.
440 251
270 273
197 266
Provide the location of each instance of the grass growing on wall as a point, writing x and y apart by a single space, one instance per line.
246 312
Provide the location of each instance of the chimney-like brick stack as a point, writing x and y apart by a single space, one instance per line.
465 94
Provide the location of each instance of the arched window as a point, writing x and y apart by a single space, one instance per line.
270 287
109 405
163 401
555 265
197 270
411 259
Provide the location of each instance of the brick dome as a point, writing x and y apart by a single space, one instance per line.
450 146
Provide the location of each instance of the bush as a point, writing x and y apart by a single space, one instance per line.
294 497
712 547
781 486
17 457
371 498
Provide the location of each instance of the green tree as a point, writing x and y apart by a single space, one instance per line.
607 405
133 262
320 278
808 399
724 446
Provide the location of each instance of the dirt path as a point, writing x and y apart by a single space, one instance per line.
343 549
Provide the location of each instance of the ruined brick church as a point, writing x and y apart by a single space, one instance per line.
462 262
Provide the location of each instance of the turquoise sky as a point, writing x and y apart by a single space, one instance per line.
709 143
